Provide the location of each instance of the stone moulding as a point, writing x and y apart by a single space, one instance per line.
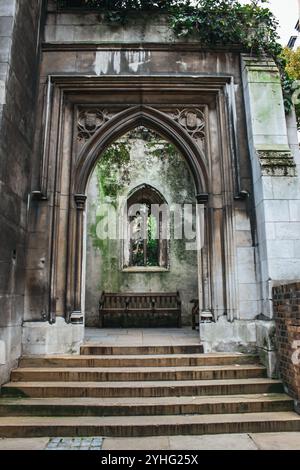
90 121
193 121
276 163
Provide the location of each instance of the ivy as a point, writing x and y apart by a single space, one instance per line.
252 27
113 160
213 22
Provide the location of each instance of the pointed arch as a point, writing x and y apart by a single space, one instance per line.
129 119
148 192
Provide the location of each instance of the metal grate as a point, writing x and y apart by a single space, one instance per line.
75 443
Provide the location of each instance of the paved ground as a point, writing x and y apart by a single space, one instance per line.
267 441
142 336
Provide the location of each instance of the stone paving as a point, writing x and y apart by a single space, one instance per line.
253 441
141 336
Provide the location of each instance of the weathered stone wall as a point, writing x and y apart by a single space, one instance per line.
275 159
245 234
153 162
19 33
86 45
286 300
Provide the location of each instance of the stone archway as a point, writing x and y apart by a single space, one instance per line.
83 116
108 132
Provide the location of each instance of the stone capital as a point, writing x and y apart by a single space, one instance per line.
80 200
202 198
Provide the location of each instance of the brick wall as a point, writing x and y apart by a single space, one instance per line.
286 300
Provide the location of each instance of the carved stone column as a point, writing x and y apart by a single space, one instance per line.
202 253
77 314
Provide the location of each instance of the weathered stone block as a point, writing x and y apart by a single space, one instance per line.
6 25
7 7
2 353
225 336
5 47
277 211
266 343
11 337
265 335
60 338
295 211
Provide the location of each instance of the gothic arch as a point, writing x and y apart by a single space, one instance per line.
110 131
153 119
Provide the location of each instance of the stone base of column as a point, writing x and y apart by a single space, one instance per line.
225 336
41 338
265 339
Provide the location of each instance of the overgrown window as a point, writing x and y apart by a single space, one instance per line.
147 219
144 242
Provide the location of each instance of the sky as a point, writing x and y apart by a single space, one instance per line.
286 11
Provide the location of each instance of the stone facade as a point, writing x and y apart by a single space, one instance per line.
287 319
19 54
244 161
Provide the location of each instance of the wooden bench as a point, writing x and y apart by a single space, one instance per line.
145 309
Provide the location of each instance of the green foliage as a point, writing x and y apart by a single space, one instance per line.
213 22
116 156
290 80
292 59
251 26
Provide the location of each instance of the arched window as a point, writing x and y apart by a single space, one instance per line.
147 229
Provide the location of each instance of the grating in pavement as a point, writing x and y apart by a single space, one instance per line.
75 443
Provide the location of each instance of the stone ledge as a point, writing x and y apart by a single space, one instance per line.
276 163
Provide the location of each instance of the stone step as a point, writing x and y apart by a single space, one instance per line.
137 374
260 403
142 389
132 426
95 349
166 360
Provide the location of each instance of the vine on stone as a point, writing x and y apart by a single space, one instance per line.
251 26
213 22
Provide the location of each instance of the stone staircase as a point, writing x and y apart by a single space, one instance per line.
143 391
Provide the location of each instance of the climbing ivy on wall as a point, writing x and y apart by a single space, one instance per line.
214 22
251 26
116 156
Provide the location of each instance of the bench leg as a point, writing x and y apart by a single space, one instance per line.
193 321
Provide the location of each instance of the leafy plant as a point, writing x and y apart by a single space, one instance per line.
291 62
251 26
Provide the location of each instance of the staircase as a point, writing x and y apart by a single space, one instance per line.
143 391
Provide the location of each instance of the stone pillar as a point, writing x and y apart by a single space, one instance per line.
276 186
202 253
77 314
